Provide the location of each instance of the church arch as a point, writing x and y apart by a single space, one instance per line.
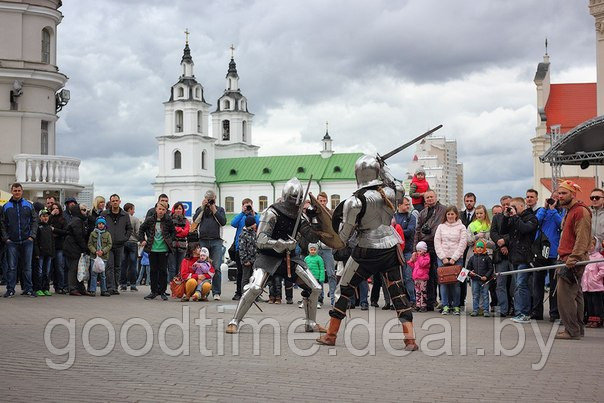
203 159
226 130
243 131
45 54
178 121
199 122
177 159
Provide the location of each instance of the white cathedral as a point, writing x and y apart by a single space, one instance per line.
191 161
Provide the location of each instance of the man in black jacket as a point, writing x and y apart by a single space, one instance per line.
120 228
520 223
505 285
162 198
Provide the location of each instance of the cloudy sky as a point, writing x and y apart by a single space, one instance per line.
380 72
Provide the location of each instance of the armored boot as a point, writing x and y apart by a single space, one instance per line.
409 337
329 339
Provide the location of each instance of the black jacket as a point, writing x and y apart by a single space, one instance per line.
45 243
463 215
210 224
482 265
521 230
496 235
119 226
146 231
75 243
59 230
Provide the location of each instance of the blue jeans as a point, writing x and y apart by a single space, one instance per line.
216 251
128 268
502 286
408 280
60 278
43 273
174 260
522 294
19 252
363 294
480 293
93 279
145 270
330 272
450 293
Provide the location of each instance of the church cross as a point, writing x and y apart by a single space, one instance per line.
187 35
232 51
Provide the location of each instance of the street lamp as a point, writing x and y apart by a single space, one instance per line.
61 98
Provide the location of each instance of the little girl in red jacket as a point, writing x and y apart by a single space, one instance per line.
197 272
420 263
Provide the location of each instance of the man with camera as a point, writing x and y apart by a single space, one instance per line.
238 222
550 220
429 218
597 213
208 221
520 224
505 284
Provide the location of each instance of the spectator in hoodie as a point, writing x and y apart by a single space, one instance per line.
74 245
99 245
128 269
59 232
208 221
520 224
120 228
596 199
592 284
19 227
428 220
419 186
450 243
44 250
239 222
179 248
481 270
247 249
197 271
420 263
549 219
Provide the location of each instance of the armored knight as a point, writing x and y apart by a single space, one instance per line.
369 212
276 245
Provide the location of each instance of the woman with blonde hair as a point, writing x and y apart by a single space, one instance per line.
480 228
98 205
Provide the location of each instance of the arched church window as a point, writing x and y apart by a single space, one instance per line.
230 84
335 200
178 121
337 169
45 46
203 159
266 171
198 93
181 92
233 172
229 204
242 105
243 131
262 203
226 104
226 130
300 170
177 160
199 122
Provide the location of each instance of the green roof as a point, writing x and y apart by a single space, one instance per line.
284 167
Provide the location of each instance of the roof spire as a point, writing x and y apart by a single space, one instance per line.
327 136
232 51
232 66
186 57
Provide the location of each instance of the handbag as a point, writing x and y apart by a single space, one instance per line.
540 248
177 287
83 265
448 274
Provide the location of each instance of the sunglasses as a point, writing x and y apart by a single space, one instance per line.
595 198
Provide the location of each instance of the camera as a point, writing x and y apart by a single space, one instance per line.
551 201
211 201
426 230
508 209
248 208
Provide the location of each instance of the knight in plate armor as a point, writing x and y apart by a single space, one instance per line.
276 245
368 214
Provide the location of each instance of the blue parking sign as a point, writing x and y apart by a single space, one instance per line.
188 208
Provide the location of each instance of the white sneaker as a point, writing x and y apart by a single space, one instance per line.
319 305
301 305
216 297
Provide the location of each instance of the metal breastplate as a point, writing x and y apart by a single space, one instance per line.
374 229
282 229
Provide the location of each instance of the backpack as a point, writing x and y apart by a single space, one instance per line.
540 249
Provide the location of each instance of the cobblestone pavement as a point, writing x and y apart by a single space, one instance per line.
230 369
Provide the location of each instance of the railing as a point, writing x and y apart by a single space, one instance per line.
51 169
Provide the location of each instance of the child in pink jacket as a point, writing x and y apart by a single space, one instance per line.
420 263
592 284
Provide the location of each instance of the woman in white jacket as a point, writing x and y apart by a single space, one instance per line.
450 241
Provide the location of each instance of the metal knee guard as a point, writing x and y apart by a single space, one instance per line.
254 289
349 269
309 303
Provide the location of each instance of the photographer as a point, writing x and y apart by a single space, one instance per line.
505 285
520 223
428 220
550 221
207 221
247 210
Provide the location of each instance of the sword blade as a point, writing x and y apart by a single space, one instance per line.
409 143
554 266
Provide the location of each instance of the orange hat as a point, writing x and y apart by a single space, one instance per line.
570 186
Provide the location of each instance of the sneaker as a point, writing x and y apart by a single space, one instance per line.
28 294
236 297
289 301
47 293
520 318
217 297
115 292
387 307
164 296
105 294
150 296
123 288
456 310
133 288
445 310
375 305
301 305
277 301
486 314
9 294
423 309
364 307
474 313
40 293
319 305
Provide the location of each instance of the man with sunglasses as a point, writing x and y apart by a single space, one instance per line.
597 213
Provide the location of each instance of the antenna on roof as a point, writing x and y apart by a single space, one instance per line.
546 47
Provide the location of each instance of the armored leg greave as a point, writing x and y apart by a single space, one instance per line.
252 290
310 295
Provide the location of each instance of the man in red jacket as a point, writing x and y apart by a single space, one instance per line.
574 246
